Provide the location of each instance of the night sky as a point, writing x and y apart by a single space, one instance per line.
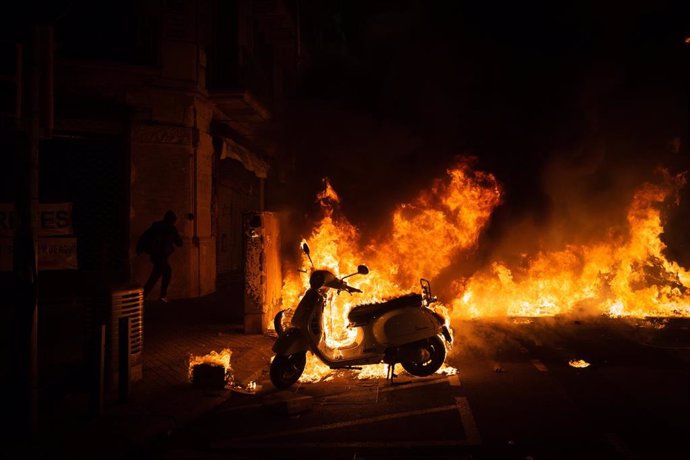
591 91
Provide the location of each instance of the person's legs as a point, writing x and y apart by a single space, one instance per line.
153 278
165 281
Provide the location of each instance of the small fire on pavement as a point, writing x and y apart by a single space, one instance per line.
580 363
211 370
214 371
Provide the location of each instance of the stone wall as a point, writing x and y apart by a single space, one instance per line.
172 168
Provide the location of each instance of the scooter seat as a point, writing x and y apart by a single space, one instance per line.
363 313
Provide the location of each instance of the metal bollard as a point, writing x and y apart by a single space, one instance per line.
124 353
98 382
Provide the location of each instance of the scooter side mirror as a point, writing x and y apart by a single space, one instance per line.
305 248
361 270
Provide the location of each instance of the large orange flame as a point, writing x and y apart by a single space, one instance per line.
426 234
625 273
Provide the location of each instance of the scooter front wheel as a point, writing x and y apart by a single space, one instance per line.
432 353
287 369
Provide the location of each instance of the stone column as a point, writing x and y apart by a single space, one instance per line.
161 179
204 236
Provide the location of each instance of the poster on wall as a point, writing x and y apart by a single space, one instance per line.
57 246
57 254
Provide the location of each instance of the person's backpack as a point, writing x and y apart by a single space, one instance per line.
157 246
145 241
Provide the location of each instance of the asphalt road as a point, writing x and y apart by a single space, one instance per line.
515 397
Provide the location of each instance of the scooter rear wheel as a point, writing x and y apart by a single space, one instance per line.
286 370
434 352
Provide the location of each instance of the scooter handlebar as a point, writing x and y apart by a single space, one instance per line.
341 285
351 289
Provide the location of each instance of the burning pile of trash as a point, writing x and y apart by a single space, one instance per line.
214 371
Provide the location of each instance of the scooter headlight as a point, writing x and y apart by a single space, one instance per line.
317 280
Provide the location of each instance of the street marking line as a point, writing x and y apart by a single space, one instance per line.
395 387
333 426
402 386
539 365
454 380
405 386
244 406
353 445
471 431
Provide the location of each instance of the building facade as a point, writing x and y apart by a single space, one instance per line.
159 105
144 106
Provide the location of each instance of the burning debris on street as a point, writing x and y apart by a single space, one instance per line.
209 364
214 371
579 363
624 273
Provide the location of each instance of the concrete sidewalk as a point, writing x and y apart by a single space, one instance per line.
164 399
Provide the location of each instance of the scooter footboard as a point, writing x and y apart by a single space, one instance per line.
290 342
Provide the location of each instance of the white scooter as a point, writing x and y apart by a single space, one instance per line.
401 330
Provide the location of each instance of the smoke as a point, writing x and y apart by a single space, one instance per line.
373 164
576 197
586 194
570 113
